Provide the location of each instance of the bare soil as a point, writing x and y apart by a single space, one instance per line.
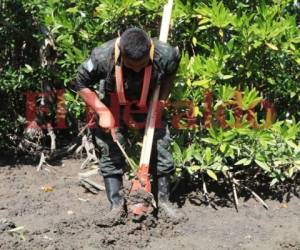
57 213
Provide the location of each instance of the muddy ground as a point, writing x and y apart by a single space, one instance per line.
64 218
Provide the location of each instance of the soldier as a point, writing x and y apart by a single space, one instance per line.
129 67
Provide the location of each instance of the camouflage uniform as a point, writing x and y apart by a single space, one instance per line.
99 68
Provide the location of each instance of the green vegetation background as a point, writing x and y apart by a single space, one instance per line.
246 46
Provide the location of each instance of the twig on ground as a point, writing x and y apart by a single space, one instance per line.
96 185
88 173
42 162
20 231
84 200
91 185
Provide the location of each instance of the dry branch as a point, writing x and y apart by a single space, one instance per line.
88 173
91 185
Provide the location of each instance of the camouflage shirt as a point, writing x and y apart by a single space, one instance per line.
99 68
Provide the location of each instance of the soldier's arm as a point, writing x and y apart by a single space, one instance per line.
172 64
166 87
88 74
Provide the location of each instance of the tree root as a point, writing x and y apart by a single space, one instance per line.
257 197
207 200
53 139
237 183
42 162
235 196
89 150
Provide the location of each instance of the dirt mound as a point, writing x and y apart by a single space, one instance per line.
143 202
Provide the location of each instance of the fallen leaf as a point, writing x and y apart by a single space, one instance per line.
284 205
47 189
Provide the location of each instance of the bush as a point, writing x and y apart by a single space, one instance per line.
230 47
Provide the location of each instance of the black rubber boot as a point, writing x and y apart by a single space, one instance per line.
113 185
164 205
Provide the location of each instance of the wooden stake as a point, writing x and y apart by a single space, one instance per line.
152 115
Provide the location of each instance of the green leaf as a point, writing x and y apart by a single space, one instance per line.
226 77
188 153
194 41
260 157
207 154
291 172
72 10
193 169
244 162
210 141
229 136
272 46
244 131
202 83
292 144
263 165
231 121
273 182
28 68
223 147
297 163
198 156
177 152
296 39
271 81
211 174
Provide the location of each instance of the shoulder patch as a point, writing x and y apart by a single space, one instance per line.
89 65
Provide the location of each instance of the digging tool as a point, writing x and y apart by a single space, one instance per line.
141 182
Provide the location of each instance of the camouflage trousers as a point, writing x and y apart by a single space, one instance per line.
112 161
